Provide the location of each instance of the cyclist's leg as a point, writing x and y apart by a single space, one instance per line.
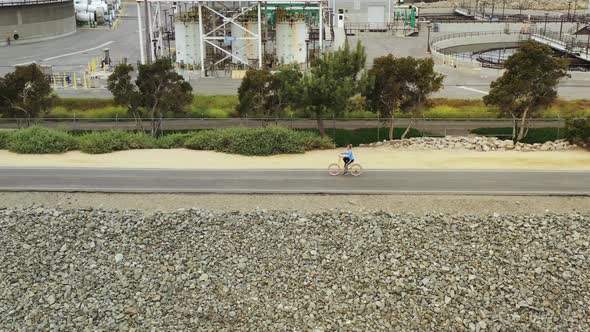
347 162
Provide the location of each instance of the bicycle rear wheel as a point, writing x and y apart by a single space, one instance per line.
334 169
355 169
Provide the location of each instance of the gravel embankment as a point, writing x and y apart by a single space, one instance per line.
268 271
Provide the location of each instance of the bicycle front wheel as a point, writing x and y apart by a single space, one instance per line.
334 169
355 169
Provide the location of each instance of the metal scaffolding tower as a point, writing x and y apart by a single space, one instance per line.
212 35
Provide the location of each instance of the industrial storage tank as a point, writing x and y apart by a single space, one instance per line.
246 49
188 48
291 46
34 20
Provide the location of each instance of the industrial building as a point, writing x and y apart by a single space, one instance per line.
375 14
221 36
217 36
34 20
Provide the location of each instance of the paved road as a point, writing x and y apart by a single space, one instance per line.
296 181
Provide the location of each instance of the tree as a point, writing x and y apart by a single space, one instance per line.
420 86
386 93
125 92
254 92
333 79
268 94
286 87
402 84
25 93
528 85
158 90
162 91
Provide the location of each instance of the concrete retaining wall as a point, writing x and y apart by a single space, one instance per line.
36 22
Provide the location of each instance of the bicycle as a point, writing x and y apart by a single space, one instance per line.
336 169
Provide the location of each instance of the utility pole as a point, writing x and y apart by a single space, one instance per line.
545 29
429 25
148 38
575 7
503 8
141 54
569 7
560 28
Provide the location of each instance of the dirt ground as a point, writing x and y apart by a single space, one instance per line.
370 158
415 204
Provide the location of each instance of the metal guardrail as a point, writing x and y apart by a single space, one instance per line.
570 44
351 28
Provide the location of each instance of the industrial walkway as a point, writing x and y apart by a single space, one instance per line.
560 45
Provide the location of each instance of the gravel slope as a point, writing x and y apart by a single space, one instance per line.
200 270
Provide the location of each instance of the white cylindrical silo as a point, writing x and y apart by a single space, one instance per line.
291 36
81 7
246 49
84 17
188 42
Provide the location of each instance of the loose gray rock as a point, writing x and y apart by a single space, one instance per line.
483 144
196 270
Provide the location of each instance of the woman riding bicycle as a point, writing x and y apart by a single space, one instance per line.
347 157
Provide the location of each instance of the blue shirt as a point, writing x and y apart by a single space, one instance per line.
349 155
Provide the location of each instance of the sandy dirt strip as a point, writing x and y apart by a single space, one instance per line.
370 158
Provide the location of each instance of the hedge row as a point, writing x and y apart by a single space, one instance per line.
257 141
246 141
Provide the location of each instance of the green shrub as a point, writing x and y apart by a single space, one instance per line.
214 106
115 140
172 141
360 115
577 130
217 113
4 137
108 112
41 140
446 111
83 104
256 141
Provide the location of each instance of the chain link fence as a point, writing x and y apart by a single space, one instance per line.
378 127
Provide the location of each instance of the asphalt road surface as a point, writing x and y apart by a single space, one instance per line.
477 182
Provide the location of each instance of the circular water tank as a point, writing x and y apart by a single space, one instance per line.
35 20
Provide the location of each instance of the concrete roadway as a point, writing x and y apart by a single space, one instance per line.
475 182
